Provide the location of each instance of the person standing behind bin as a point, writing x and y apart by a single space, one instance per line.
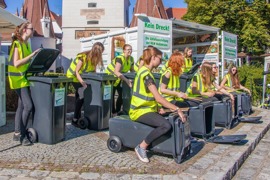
144 102
120 64
84 62
18 62
231 81
169 86
188 59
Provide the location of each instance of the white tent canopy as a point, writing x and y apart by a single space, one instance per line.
8 21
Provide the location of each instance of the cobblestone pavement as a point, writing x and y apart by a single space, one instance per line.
258 163
84 155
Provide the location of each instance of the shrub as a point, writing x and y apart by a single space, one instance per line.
251 77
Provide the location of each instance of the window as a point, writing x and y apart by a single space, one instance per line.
92 5
92 22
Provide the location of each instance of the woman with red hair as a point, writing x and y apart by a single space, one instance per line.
170 84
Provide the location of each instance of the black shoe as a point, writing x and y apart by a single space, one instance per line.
26 142
16 137
74 123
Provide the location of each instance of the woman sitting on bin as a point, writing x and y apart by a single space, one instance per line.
18 62
120 64
231 81
203 85
144 102
85 62
169 86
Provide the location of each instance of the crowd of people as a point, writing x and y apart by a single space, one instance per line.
148 102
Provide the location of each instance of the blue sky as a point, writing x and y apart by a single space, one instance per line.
56 5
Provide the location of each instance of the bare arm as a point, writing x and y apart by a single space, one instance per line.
18 62
153 89
117 72
223 91
78 67
196 91
164 90
245 89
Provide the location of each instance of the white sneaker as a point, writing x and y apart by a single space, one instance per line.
141 153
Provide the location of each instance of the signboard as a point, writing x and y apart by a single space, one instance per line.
266 68
59 97
155 32
229 50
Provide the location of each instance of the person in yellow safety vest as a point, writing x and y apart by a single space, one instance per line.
203 85
169 86
140 62
144 102
84 62
121 64
231 81
18 63
188 59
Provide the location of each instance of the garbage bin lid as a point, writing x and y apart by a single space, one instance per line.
43 60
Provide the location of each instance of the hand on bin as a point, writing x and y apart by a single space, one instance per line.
182 95
182 116
84 84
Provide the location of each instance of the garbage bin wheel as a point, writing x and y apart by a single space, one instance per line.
114 144
83 123
32 135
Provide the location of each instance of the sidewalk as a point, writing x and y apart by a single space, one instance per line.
84 155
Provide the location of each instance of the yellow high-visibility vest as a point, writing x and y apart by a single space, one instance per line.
86 67
16 75
142 100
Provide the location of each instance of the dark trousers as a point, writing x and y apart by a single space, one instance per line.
186 103
119 102
157 121
78 101
25 107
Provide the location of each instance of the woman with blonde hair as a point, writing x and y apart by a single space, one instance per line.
120 64
83 63
18 62
188 62
203 84
231 81
145 100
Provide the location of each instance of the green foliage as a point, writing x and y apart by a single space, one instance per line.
251 22
251 77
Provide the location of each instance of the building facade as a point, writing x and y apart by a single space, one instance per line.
85 18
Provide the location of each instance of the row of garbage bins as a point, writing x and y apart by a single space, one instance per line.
49 94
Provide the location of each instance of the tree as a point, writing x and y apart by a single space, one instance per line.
250 20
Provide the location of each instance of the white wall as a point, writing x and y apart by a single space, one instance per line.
111 15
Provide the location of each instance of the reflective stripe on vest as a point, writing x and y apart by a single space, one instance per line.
16 75
163 69
229 80
200 86
188 65
126 66
173 85
142 101
86 67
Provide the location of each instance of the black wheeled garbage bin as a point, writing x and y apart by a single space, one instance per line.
185 78
97 100
49 95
